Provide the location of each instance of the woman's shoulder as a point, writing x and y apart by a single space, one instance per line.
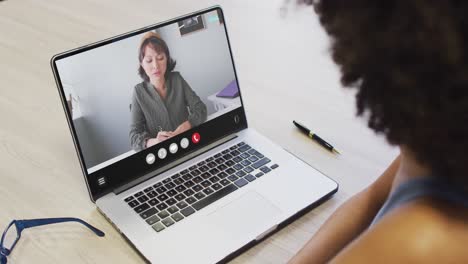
140 91
140 87
430 215
174 76
175 79
428 228
424 230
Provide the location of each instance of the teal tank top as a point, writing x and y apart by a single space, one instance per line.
435 187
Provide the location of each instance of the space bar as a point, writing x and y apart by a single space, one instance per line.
214 197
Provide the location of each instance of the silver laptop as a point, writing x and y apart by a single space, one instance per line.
160 130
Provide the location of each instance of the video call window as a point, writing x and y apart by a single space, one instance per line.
134 93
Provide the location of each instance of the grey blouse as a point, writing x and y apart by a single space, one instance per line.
151 114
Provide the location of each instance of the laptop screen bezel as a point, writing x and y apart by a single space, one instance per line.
133 167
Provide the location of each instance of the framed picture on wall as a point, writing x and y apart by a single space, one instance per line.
191 25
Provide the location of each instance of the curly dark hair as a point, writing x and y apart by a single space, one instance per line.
408 61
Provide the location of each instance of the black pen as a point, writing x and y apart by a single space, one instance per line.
315 137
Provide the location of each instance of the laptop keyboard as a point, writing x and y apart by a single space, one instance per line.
194 188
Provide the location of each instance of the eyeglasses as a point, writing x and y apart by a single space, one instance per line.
9 241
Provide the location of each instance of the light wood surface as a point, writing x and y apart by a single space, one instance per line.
280 61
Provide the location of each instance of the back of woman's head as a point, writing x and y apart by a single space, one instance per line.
408 60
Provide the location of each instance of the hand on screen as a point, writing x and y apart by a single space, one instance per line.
182 128
163 135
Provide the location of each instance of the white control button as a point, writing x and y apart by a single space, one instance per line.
150 158
173 148
162 153
184 143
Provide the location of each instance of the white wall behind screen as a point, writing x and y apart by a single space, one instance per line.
102 81
203 57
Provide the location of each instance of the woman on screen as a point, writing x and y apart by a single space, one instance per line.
163 104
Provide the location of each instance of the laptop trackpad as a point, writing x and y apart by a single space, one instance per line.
247 214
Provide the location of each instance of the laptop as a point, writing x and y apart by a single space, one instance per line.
183 181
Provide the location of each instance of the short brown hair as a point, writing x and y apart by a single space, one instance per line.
408 60
159 45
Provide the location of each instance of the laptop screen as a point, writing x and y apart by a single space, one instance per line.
149 92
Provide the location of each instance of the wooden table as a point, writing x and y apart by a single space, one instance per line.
281 61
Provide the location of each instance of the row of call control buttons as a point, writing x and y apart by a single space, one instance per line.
173 148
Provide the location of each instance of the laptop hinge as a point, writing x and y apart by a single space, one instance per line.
173 164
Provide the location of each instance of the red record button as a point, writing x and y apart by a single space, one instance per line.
195 138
